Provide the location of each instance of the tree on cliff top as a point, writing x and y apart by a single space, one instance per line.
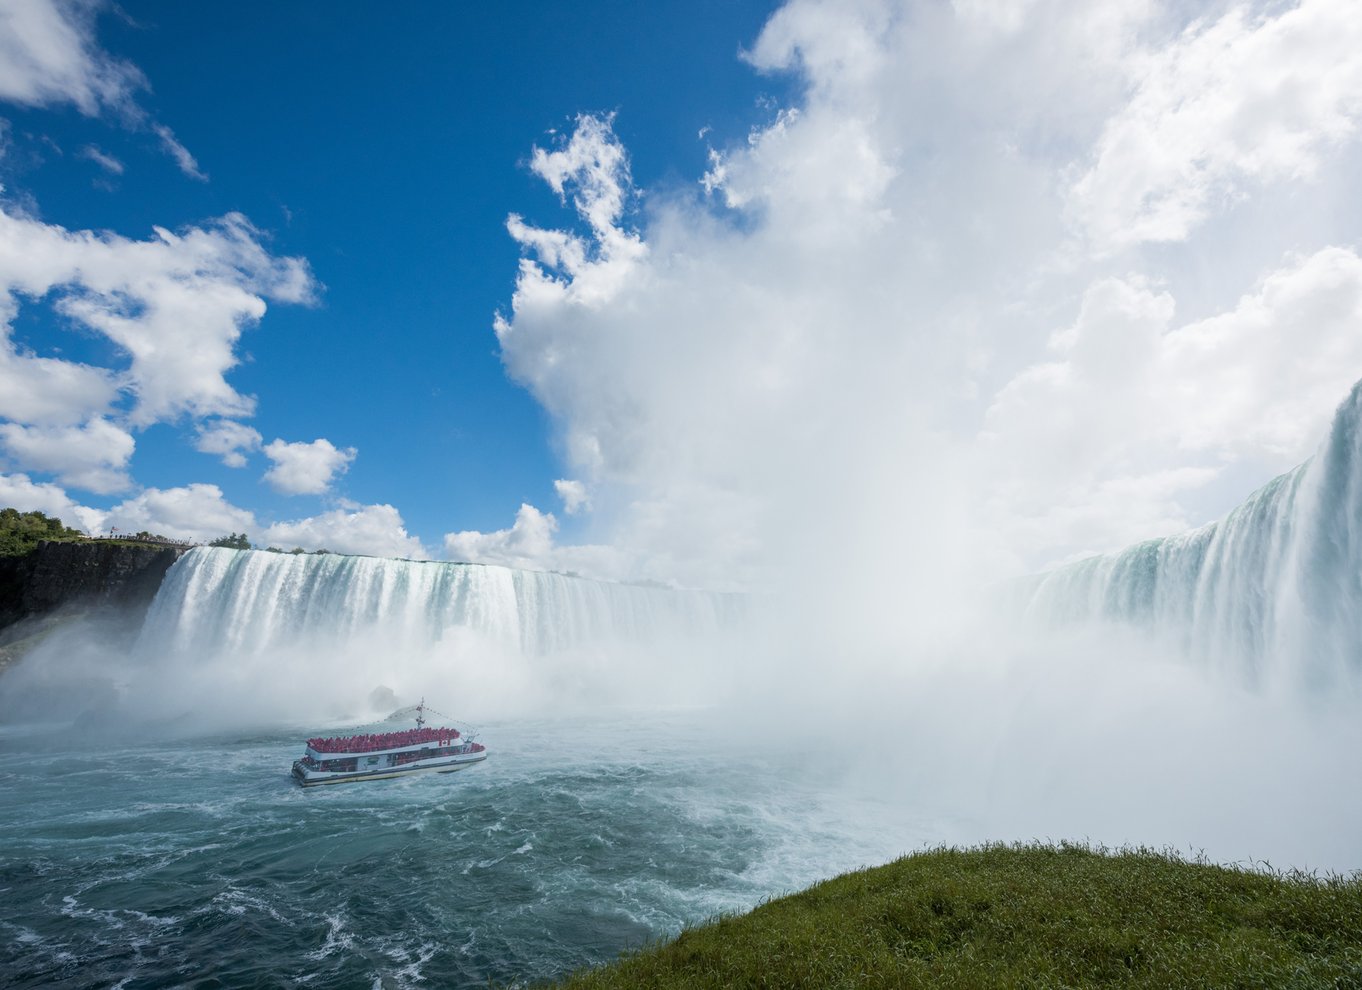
20 532
233 541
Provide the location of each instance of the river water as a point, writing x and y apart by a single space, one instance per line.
1198 693
200 863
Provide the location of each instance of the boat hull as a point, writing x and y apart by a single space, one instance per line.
315 779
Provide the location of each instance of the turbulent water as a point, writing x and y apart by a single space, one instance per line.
137 851
1272 592
160 842
157 865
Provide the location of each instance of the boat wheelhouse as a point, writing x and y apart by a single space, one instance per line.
382 755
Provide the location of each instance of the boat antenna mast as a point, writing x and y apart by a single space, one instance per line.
419 711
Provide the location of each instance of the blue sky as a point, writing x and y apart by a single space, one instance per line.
385 147
705 293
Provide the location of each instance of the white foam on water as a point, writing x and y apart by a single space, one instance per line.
410 959
236 901
338 937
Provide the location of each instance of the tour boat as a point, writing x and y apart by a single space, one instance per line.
381 755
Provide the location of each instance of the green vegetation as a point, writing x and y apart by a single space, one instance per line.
1025 916
239 542
20 532
146 537
234 541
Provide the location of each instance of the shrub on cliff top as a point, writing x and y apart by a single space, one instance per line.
233 541
20 532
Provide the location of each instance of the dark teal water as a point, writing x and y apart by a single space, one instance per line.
201 864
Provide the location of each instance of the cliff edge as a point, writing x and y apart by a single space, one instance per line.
76 576
55 574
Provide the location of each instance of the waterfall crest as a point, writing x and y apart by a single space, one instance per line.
241 601
1272 592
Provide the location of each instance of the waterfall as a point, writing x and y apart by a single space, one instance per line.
216 600
1271 592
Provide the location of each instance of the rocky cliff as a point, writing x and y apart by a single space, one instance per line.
122 576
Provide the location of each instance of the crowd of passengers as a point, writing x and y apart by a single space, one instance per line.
381 740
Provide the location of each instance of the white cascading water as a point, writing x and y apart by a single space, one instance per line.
244 601
1272 592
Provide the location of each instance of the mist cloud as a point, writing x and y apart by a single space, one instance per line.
941 293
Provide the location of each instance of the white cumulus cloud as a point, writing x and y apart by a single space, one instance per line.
530 544
306 468
229 440
200 512
176 305
21 492
197 512
51 390
593 168
376 530
93 456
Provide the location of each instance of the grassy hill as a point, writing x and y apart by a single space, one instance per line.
1025 916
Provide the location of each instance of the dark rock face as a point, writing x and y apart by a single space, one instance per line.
88 575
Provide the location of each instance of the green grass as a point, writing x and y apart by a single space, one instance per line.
1025 916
